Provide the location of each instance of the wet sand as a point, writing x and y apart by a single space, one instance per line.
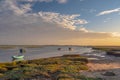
98 67
104 66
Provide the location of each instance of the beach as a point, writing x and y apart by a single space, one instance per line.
95 63
98 68
99 63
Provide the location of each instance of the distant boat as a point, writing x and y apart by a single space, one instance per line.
59 49
70 49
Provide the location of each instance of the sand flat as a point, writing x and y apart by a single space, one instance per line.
103 66
98 67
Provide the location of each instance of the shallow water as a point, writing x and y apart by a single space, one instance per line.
42 52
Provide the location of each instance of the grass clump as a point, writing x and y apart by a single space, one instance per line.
14 75
3 69
64 77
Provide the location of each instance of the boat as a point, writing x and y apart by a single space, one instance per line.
19 57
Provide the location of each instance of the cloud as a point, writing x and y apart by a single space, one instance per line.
107 19
83 30
81 0
68 21
59 1
35 30
62 1
36 0
92 10
19 25
13 7
116 34
108 11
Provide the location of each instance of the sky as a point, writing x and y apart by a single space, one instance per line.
60 22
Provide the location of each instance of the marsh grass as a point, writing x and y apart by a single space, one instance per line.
59 68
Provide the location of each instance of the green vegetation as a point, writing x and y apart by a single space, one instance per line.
66 67
24 46
107 48
102 48
111 50
7 47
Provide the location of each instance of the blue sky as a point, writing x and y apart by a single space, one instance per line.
87 9
36 21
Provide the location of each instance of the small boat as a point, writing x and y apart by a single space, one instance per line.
19 57
59 49
70 49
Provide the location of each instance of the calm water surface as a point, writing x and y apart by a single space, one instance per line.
43 52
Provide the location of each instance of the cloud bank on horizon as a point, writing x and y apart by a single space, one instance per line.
21 22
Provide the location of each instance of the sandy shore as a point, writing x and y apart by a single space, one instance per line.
104 66
98 67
